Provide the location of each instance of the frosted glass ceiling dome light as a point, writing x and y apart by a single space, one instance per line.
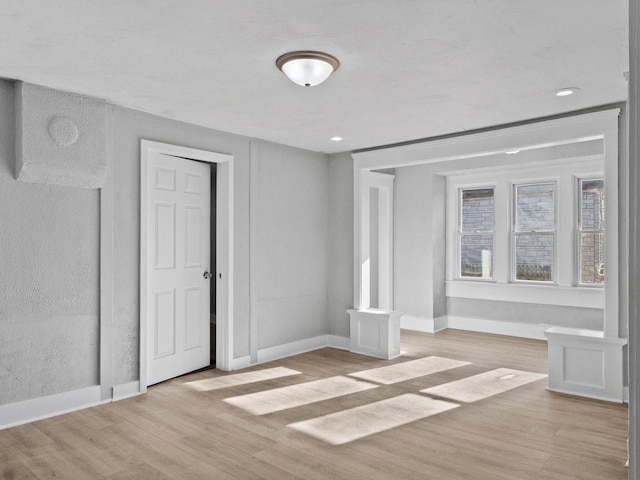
307 68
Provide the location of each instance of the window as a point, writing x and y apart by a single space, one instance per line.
475 233
527 234
534 232
591 231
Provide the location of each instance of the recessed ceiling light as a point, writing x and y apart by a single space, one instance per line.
565 92
512 152
307 68
336 139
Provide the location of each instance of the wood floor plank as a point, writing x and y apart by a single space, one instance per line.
176 431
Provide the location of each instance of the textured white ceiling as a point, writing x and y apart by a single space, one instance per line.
409 69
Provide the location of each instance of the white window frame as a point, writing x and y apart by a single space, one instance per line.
515 232
461 232
564 291
579 230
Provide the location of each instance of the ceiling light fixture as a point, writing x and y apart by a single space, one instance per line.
307 68
565 92
336 139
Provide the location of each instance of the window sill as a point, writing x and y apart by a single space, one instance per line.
586 297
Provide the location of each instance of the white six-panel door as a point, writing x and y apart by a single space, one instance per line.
178 257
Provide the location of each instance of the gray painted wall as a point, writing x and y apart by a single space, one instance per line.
292 205
50 252
340 242
419 242
592 318
293 244
412 230
49 279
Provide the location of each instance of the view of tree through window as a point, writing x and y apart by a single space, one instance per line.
591 235
476 230
534 232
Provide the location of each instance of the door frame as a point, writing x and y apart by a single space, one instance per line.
224 249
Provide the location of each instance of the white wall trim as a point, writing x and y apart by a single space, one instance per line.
586 297
512 329
384 184
125 390
423 324
277 352
336 341
293 348
625 395
240 363
19 413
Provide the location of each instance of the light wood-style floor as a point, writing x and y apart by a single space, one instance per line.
176 432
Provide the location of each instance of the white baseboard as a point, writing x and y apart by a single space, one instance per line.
240 363
335 341
423 324
512 329
126 390
27 411
293 348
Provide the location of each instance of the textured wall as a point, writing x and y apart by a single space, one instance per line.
293 200
49 250
60 137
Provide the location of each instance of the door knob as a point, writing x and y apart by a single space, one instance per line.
207 275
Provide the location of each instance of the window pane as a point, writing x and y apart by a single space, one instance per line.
535 207
477 209
534 257
476 255
592 258
592 204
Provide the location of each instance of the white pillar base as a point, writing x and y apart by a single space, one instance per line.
375 332
586 363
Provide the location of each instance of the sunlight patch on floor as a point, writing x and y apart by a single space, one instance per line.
359 422
277 399
241 379
401 372
484 385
